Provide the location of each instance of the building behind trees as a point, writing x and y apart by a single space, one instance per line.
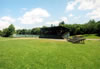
53 32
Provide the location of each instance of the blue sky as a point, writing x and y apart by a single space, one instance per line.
37 13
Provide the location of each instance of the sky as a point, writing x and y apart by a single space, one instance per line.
37 13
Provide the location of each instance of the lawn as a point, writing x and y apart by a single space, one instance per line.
48 54
91 36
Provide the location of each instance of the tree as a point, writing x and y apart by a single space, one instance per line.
91 27
52 25
61 23
35 31
98 28
7 32
0 33
44 27
23 31
11 29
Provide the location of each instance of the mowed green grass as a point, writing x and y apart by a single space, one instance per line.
91 36
48 54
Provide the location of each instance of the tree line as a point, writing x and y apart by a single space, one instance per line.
8 32
34 31
91 27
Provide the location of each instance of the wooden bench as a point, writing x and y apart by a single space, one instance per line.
76 39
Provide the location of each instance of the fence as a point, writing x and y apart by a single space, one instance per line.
34 36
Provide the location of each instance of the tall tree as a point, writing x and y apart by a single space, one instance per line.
62 23
0 33
35 31
98 28
9 31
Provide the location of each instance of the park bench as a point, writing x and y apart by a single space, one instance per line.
76 39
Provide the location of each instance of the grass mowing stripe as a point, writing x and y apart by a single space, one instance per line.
48 54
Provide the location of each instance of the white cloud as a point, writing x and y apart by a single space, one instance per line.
82 4
86 4
5 21
8 19
89 4
76 17
36 15
70 15
93 5
65 19
95 14
53 23
18 27
70 6
56 23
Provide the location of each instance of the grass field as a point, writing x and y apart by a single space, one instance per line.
91 36
48 54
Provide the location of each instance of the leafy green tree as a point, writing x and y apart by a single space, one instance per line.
44 27
98 28
18 31
91 27
62 23
7 32
11 29
52 25
0 33
23 31
35 31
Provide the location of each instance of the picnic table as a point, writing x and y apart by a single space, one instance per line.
76 39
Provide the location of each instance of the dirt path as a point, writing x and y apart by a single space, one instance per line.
41 39
92 39
49 39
